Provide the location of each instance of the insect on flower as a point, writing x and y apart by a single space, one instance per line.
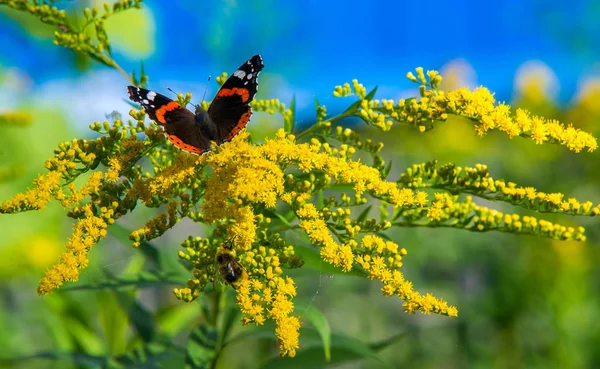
229 268
227 115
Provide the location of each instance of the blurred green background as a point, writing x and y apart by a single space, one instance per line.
524 302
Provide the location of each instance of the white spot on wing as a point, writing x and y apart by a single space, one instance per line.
239 74
249 76
151 95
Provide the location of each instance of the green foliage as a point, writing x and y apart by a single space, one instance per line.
331 210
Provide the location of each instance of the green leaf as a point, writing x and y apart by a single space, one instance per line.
140 317
174 319
364 214
320 200
201 347
85 336
351 109
384 236
113 319
371 94
289 125
397 214
343 349
386 170
152 355
273 213
354 107
77 358
143 76
134 80
319 321
228 318
141 280
265 331
162 258
378 346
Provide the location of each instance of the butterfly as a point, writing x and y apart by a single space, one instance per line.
228 114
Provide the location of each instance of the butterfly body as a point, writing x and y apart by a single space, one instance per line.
227 115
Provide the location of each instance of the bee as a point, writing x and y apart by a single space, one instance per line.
229 268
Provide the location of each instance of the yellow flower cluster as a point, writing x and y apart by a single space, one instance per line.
266 294
438 210
74 197
381 259
542 201
477 180
69 154
272 297
478 105
346 90
157 226
46 186
242 185
445 210
245 177
241 175
182 173
313 224
103 190
129 153
86 233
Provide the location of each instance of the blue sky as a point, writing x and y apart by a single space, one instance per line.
310 46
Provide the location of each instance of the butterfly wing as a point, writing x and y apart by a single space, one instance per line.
230 110
179 123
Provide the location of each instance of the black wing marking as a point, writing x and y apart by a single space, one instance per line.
149 100
230 110
179 123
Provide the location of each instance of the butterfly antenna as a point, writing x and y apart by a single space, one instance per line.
205 88
204 94
169 88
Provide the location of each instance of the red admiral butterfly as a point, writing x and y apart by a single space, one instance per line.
227 115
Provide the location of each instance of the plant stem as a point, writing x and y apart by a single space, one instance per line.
216 305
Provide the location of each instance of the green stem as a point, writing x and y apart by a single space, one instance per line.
318 125
472 228
121 70
216 305
310 129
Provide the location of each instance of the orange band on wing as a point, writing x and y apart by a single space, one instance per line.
160 113
241 124
241 92
178 143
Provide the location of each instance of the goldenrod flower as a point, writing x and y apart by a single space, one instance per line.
246 176
46 186
86 233
239 188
